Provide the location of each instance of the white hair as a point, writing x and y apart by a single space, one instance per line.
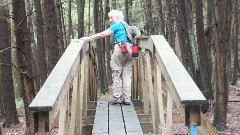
117 13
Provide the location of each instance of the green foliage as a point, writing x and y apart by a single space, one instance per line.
19 103
138 14
136 18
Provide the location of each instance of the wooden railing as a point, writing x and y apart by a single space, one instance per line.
62 100
170 90
160 81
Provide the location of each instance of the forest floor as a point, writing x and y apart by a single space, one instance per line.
232 126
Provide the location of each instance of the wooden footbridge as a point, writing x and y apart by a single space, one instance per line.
163 93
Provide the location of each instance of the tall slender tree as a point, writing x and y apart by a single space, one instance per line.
182 32
161 16
149 22
23 53
108 45
89 16
41 51
70 30
63 23
202 47
60 28
220 21
6 78
126 2
34 79
96 14
80 11
208 35
50 33
235 40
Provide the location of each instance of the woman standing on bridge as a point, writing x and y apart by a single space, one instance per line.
121 62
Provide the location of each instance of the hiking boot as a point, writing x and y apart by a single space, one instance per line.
126 100
126 103
116 100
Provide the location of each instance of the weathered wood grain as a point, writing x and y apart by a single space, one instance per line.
101 118
131 120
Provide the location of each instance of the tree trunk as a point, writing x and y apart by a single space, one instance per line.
103 43
50 33
235 33
126 11
182 32
130 12
161 20
34 79
41 51
108 46
6 78
63 26
89 16
60 21
16 74
208 36
23 53
191 32
192 41
149 24
98 47
70 30
1 98
80 11
220 54
202 47
173 31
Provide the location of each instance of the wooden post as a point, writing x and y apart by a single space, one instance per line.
193 118
169 121
150 88
81 96
144 87
41 123
160 122
135 80
62 130
140 77
74 104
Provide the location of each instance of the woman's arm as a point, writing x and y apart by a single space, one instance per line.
99 35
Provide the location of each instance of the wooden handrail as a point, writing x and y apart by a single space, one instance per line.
59 79
65 91
162 76
182 83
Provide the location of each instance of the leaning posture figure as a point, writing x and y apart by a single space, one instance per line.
121 63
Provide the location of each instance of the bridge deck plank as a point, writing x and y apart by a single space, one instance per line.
116 125
101 119
131 120
116 120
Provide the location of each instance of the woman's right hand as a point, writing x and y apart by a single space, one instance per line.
86 38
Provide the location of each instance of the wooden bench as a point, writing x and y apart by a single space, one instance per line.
116 120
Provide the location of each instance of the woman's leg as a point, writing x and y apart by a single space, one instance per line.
127 77
127 81
116 65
